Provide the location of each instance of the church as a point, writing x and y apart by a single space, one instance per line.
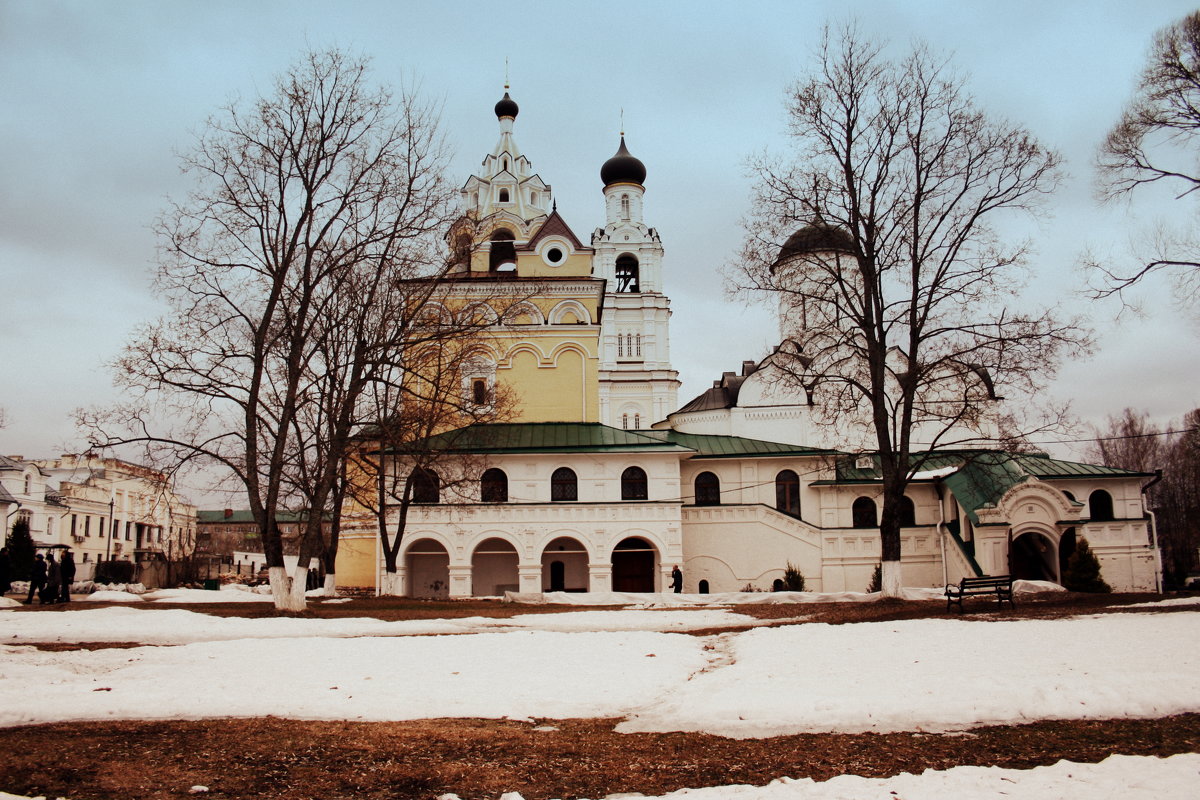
600 481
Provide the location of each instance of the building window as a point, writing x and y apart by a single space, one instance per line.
504 251
1100 506
102 521
28 484
87 526
708 489
504 195
624 206
627 273
479 392
493 486
633 484
74 521
637 421
424 486
907 512
863 513
638 341
564 486
787 492
533 198
625 421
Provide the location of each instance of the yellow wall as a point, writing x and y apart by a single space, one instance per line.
560 386
356 561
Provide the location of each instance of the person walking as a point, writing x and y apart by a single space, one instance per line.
53 581
5 572
677 579
37 578
67 568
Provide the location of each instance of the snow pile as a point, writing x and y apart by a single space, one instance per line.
112 596
229 593
8 602
179 626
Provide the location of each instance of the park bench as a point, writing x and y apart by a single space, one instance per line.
999 585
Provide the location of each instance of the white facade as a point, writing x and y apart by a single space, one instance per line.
102 508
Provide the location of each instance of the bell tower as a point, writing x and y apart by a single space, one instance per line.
637 385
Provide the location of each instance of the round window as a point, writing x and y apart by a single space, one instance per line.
554 255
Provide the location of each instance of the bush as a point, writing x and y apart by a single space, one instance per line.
793 579
876 584
1083 571
20 550
114 572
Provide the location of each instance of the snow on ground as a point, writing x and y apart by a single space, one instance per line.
1124 777
180 626
929 674
1170 601
935 675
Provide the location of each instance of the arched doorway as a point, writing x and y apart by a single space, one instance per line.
1033 557
564 566
494 569
633 566
428 569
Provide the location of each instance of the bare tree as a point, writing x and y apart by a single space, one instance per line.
1155 143
301 197
897 288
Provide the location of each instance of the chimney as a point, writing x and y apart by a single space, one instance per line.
228 513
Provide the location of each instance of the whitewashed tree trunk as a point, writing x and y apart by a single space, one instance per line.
890 582
296 599
330 584
390 584
281 590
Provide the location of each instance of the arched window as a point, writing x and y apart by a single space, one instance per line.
864 513
533 198
907 512
28 484
475 198
505 163
564 487
504 252
637 421
424 486
1100 506
627 273
624 206
1069 496
633 484
493 486
504 195
479 392
708 489
638 340
625 421
787 492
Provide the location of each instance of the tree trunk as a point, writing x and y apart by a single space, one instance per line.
281 590
390 585
330 584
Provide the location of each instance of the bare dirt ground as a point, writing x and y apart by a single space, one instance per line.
480 759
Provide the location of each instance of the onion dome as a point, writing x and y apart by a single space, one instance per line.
623 168
818 238
507 107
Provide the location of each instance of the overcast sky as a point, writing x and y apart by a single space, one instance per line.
96 99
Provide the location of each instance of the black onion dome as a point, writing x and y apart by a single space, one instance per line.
818 238
507 107
623 168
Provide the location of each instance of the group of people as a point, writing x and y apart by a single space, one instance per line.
49 580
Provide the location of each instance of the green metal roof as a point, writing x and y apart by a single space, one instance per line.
714 446
542 437
245 516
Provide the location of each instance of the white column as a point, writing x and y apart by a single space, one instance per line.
600 577
530 577
460 580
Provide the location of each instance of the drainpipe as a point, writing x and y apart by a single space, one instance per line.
942 532
1158 588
